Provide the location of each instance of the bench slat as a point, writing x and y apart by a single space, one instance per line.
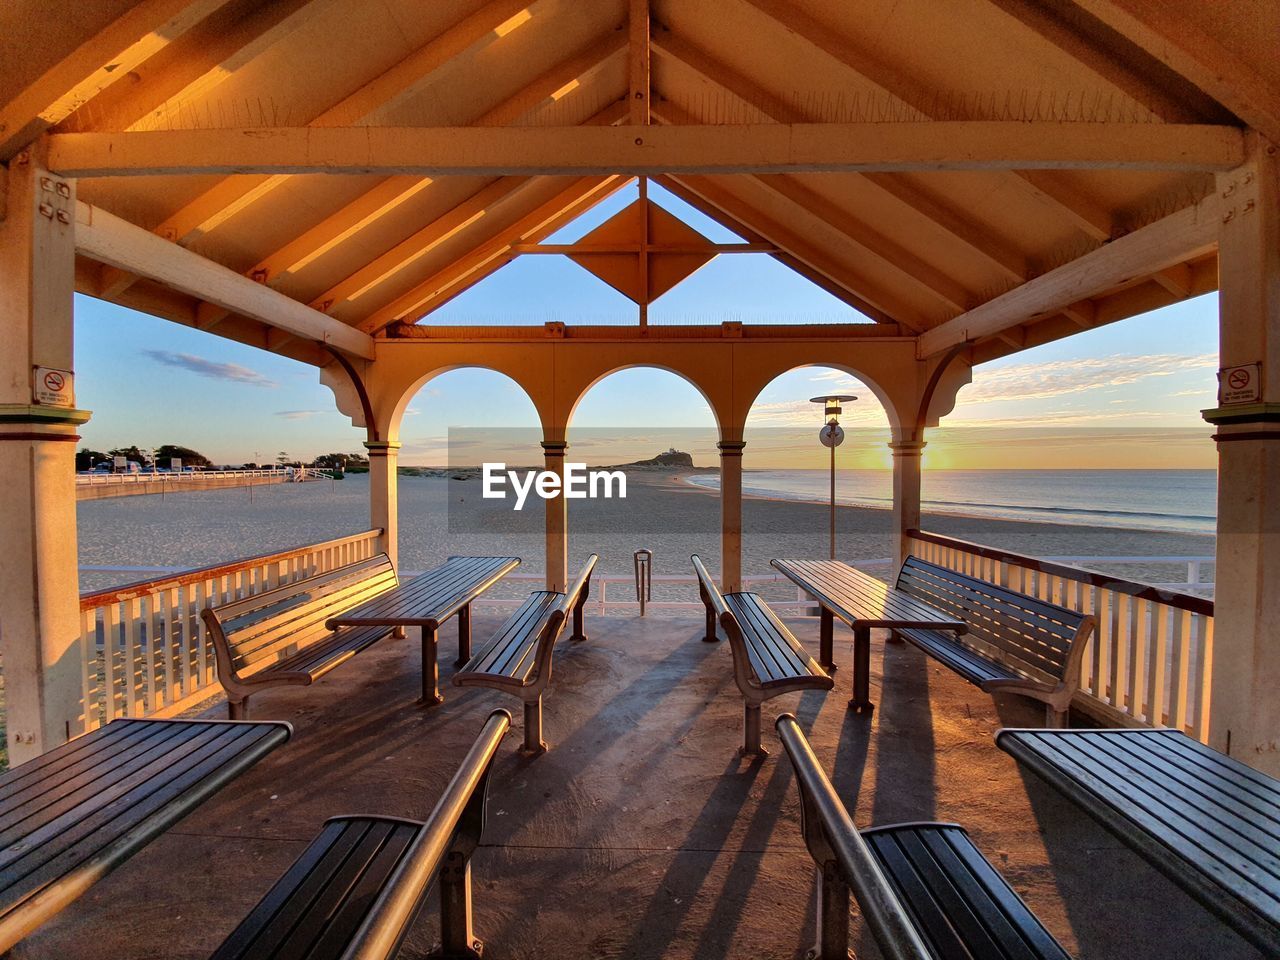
512 650
973 667
775 653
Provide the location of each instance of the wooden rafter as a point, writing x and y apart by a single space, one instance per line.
100 61
181 78
868 288
786 258
431 293
715 149
1223 74
1117 60
896 258
639 82
1083 212
1186 234
108 239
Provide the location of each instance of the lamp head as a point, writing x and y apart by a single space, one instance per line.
832 405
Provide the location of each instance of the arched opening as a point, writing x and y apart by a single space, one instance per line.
626 417
786 481
450 427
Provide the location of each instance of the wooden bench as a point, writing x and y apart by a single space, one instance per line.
768 660
354 892
74 814
1207 821
279 637
1014 644
517 660
925 891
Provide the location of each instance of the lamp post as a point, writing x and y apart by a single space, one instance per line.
831 437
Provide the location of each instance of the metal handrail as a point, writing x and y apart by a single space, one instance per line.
452 834
830 835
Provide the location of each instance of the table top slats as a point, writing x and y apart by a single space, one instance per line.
1177 824
859 599
431 597
53 769
88 805
1180 804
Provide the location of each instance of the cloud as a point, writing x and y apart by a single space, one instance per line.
298 414
1041 381
208 368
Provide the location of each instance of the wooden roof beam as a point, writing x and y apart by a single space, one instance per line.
788 260
106 238
1223 74
1149 250
867 288
111 53
179 80
1117 60
712 149
545 219
639 81
925 276
1082 211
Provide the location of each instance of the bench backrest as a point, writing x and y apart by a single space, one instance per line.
1036 637
251 634
833 840
560 614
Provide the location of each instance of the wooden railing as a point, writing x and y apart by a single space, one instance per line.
1151 659
143 646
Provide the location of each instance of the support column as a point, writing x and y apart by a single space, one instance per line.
553 452
730 514
384 495
1244 713
907 456
39 589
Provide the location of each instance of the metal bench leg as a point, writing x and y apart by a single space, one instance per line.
579 626
534 745
826 631
457 939
833 915
751 745
430 668
464 636
710 636
861 670
238 709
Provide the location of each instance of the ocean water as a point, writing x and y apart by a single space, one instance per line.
1178 501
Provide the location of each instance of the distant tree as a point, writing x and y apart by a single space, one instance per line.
248 466
282 458
340 461
132 454
189 457
86 459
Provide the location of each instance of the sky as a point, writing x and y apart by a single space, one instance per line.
1126 395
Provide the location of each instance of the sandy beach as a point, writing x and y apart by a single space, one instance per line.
661 512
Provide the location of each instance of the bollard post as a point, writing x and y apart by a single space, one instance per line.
643 560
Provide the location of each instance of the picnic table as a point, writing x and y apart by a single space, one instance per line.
72 815
1207 821
428 600
863 602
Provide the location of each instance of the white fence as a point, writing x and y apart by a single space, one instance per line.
143 649
1150 661
156 476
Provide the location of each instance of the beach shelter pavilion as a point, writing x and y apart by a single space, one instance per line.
317 177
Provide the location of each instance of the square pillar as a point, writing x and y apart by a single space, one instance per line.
1244 713
907 456
384 496
39 567
557 524
730 514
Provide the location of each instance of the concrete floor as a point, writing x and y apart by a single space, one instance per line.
641 834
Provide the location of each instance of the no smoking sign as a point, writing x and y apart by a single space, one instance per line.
1240 384
53 388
